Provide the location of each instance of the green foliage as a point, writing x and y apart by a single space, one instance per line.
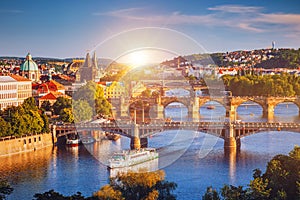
52 195
267 85
66 115
23 119
136 186
5 189
82 111
280 181
46 106
5 129
60 104
29 104
211 194
94 95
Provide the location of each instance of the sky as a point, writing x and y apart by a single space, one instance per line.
69 28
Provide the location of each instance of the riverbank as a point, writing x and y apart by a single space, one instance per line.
16 145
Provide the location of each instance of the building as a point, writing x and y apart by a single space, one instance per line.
87 71
113 89
51 97
14 90
29 69
24 87
41 89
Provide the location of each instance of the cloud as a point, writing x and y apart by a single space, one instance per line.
244 18
236 9
119 13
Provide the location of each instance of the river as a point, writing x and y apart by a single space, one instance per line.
193 160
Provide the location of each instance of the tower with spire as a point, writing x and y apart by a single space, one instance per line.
88 70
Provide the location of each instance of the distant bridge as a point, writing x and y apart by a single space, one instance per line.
193 104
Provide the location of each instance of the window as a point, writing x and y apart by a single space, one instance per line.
39 138
34 139
24 141
29 141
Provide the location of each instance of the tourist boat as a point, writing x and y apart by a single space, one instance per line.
210 107
87 140
73 141
112 136
129 158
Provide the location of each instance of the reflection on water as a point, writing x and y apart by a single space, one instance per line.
68 170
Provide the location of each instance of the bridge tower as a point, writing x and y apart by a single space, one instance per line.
157 109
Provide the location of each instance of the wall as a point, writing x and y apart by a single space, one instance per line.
24 144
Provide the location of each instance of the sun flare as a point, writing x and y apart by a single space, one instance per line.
138 58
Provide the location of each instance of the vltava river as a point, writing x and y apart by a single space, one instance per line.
202 163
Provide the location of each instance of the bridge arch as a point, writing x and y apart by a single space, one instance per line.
249 110
241 100
297 103
165 101
287 111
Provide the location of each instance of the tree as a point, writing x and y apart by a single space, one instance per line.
211 194
144 185
52 195
5 189
46 106
60 104
82 111
5 128
94 95
29 104
280 181
67 115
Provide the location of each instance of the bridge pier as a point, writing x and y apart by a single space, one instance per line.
135 142
231 143
53 131
268 112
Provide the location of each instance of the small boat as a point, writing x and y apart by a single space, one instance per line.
73 142
112 136
129 158
87 140
210 107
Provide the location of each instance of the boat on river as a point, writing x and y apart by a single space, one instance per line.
112 136
73 142
210 107
128 158
87 140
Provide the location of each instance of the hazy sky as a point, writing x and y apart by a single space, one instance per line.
69 28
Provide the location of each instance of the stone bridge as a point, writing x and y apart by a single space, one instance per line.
230 132
193 104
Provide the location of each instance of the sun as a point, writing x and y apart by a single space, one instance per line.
138 58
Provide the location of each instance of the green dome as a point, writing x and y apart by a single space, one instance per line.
29 64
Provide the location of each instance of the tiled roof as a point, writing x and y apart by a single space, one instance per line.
6 79
19 78
54 96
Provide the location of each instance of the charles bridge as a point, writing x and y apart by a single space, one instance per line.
193 103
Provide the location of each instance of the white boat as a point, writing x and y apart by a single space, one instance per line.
149 166
73 142
129 158
87 140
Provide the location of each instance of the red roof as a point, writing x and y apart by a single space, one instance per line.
54 96
19 78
